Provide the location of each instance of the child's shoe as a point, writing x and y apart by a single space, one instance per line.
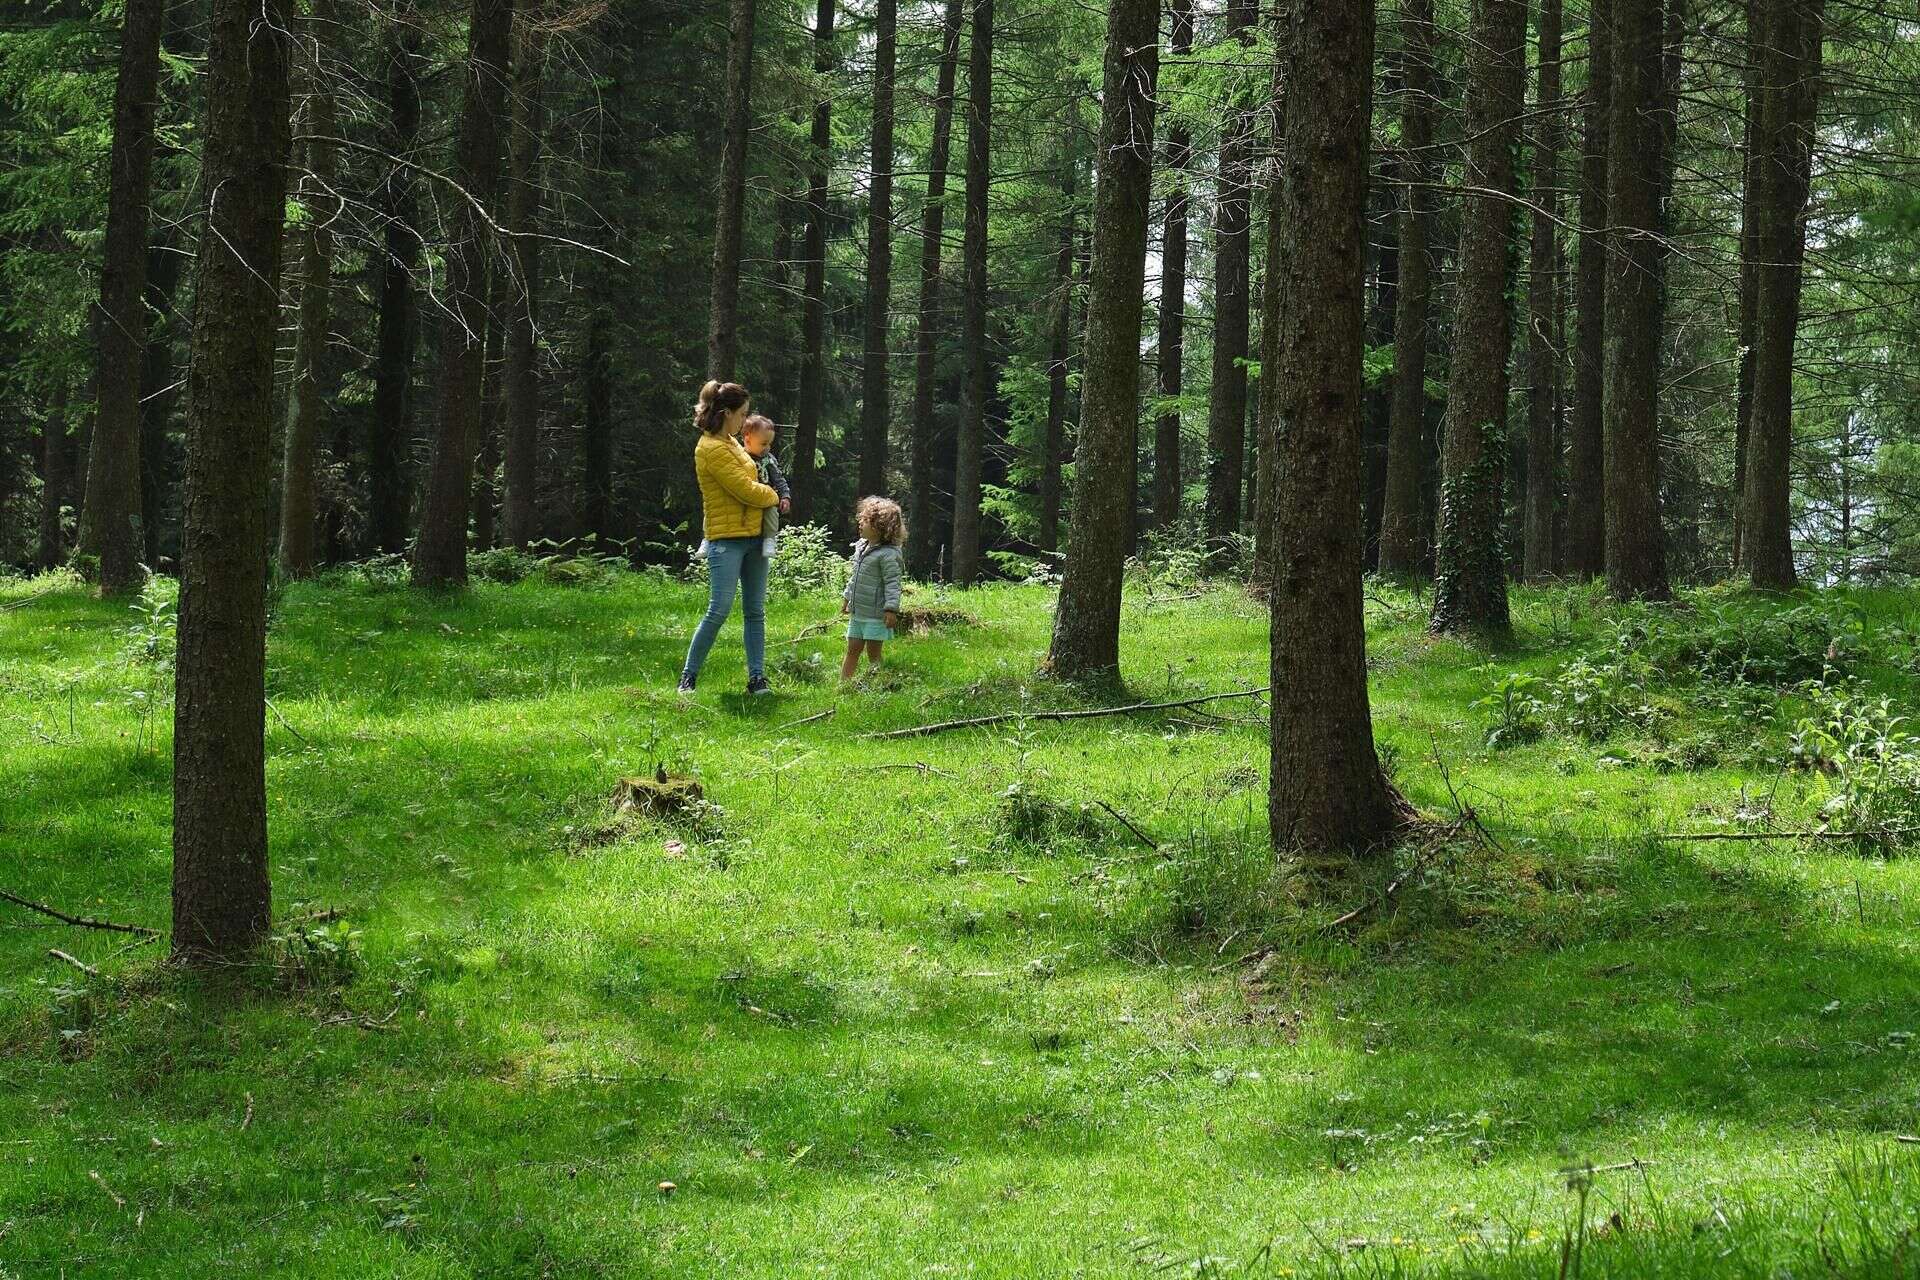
687 679
758 685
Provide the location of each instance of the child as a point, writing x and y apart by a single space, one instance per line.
757 439
873 589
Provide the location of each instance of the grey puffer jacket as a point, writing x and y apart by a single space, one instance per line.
874 585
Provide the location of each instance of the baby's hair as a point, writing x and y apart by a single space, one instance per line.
759 424
885 516
717 400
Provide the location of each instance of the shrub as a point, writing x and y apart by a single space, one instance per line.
1871 762
1518 712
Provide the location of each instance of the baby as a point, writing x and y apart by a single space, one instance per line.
757 438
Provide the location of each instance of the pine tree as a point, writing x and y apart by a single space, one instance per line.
1086 624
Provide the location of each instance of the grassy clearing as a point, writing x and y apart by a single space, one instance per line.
923 1007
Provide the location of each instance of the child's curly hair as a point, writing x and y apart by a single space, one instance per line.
886 517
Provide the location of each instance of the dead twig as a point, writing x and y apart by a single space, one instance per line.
795 724
79 964
285 723
101 1183
922 730
1788 835
247 1119
918 766
79 922
1127 822
1393 886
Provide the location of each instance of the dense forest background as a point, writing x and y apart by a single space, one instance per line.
945 374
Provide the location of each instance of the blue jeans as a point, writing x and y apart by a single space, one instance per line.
733 564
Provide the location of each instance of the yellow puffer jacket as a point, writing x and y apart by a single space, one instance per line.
731 495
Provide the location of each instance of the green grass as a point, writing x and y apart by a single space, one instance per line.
872 1025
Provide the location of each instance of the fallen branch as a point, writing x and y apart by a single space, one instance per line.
24 601
1127 822
1906 1138
918 766
922 730
284 724
1393 886
1789 835
77 963
795 724
81 922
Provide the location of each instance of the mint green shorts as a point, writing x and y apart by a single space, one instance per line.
869 629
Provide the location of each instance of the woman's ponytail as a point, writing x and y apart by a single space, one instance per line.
717 400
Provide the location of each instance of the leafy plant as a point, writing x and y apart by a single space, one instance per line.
1518 711
153 638
1870 759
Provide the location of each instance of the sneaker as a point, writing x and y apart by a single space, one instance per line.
686 681
758 685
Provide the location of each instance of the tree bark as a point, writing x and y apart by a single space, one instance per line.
1543 306
440 548
221 895
1171 346
1790 73
971 437
1585 554
921 540
876 409
1470 587
1636 544
389 448
1232 261
307 412
520 510
1053 445
110 530
1328 792
723 322
1086 623
813 310
1403 523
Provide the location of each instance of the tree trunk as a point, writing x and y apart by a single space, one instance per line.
159 387
390 446
1470 587
723 322
1636 544
971 438
56 480
1382 312
1227 393
1327 791
1790 72
921 539
221 895
520 510
1086 624
1059 353
813 311
596 440
875 401
440 548
1273 278
110 534
1543 305
1403 522
1173 295
487 464
307 412
1585 555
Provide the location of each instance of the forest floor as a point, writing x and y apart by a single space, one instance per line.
927 1006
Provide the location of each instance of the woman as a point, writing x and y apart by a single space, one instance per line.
733 503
